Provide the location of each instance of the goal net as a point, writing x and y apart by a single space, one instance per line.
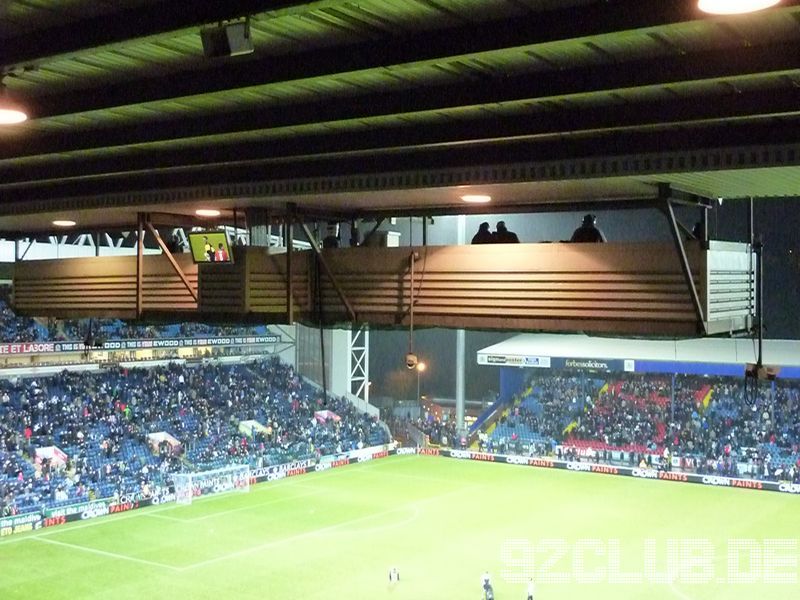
205 483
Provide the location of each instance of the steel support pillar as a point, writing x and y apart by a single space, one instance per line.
140 219
461 344
289 240
358 362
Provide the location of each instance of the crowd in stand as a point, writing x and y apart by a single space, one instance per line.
101 421
14 329
441 433
722 426
115 329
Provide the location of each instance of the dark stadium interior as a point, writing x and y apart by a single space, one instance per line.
367 105
341 155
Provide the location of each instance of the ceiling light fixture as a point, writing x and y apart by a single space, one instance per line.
207 212
476 198
10 112
64 223
734 7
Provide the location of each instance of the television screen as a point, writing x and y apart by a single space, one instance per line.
210 246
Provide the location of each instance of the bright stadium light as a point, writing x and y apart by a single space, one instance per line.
64 223
476 199
11 113
734 7
207 212
421 366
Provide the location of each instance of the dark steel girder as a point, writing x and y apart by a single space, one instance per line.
609 144
489 131
128 24
537 87
554 25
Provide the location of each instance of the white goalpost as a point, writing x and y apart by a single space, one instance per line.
205 483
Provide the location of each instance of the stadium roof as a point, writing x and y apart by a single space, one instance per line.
702 351
352 108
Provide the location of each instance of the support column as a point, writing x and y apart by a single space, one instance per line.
460 377
140 219
289 240
461 344
358 361
258 226
672 399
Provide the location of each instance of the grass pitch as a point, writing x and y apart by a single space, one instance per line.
441 522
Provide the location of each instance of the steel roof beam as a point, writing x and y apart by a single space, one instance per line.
259 69
466 156
128 24
490 131
537 87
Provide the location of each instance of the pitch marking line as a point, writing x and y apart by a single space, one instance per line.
150 511
317 532
155 515
105 553
214 515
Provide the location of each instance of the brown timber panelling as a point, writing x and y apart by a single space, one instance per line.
611 288
255 283
103 286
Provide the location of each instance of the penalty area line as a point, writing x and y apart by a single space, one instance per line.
105 553
321 530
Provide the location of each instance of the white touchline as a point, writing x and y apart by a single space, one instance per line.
105 553
150 511
315 532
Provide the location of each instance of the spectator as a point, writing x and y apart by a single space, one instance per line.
484 236
588 231
503 236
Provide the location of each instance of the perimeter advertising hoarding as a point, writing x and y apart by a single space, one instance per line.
539 362
83 511
589 467
20 523
547 362
148 344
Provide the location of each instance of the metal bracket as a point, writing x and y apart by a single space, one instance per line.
669 212
24 254
325 267
176 267
372 231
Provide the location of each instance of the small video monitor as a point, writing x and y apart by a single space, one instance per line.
210 247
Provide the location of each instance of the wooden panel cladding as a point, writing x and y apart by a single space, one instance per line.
103 286
255 283
608 288
602 288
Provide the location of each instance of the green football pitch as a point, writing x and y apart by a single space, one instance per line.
442 523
